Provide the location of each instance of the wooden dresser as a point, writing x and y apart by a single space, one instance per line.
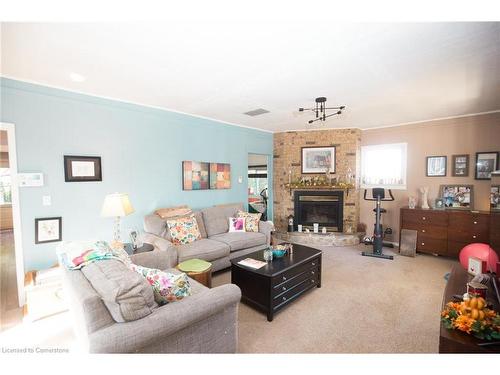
446 232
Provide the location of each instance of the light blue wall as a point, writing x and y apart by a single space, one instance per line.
141 148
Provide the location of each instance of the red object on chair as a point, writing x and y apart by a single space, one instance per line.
481 251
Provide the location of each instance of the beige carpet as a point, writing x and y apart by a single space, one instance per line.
365 305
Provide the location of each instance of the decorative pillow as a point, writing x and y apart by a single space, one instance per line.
167 287
251 221
237 224
183 230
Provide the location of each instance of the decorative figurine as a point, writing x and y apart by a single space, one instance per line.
412 202
424 191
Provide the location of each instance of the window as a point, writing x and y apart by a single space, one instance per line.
384 166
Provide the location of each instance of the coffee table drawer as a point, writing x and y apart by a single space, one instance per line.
295 280
294 292
288 276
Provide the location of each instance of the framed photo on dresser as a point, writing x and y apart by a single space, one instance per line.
486 162
457 196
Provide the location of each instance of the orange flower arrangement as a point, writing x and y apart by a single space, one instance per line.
472 317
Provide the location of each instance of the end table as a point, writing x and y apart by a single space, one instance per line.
144 248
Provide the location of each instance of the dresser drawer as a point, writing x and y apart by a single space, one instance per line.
295 291
425 217
289 276
427 244
471 236
436 232
466 221
295 280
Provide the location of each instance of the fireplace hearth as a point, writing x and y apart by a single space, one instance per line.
322 207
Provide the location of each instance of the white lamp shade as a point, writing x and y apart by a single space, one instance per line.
116 204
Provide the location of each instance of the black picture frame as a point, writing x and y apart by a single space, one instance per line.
486 173
71 176
428 163
302 161
457 170
37 229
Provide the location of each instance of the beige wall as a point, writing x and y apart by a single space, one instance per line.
466 135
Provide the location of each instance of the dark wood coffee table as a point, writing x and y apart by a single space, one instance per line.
279 282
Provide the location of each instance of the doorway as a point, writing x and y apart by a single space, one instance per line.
11 259
258 184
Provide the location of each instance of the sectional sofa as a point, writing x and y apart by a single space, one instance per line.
216 245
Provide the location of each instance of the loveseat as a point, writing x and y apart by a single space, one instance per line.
216 245
115 311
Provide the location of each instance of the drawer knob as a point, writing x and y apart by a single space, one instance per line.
313 263
474 236
284 288
423 243
284 278
423 230
423 217
475 222
284 298
312 272
312 280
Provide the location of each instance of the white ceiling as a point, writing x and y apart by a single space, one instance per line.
385 74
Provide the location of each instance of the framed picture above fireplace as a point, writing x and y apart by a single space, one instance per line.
318 159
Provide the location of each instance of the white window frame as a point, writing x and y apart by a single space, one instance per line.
404 165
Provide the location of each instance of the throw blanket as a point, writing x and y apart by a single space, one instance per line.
79 254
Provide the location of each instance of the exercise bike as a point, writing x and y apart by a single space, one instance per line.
378 195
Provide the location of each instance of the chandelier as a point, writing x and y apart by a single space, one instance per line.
321 108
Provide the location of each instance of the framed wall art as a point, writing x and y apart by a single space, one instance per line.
48 229
195 175
318 159
495 197
82 168
436 166
458 196
486 162
460 165
220 176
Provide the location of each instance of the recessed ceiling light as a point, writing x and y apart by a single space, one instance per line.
75 77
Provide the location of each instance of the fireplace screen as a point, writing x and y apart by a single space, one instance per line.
322 207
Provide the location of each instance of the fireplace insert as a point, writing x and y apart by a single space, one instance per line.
323 207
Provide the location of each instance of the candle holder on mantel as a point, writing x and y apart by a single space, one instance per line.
319 183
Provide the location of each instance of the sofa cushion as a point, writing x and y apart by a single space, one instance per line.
251 221
205 249
240 240
216 218
167 287
183 230
126 294
171 212
156 225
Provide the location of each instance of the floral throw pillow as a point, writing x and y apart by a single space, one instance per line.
183 230
167 287
237 224
251 221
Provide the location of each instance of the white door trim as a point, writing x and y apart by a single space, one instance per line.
16 209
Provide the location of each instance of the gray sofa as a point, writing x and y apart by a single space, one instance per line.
115 311
216 245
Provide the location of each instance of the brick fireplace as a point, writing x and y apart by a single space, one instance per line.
287 164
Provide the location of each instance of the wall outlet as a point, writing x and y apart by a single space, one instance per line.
46 200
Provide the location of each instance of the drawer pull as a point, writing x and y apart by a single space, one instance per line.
474 236
284 288
475 222
312 280
312 272
423 230
423 243
423 217
284 278
284 298
313 263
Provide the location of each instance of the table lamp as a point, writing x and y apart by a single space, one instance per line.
116 205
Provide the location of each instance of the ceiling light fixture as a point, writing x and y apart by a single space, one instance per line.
75 77
321 109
